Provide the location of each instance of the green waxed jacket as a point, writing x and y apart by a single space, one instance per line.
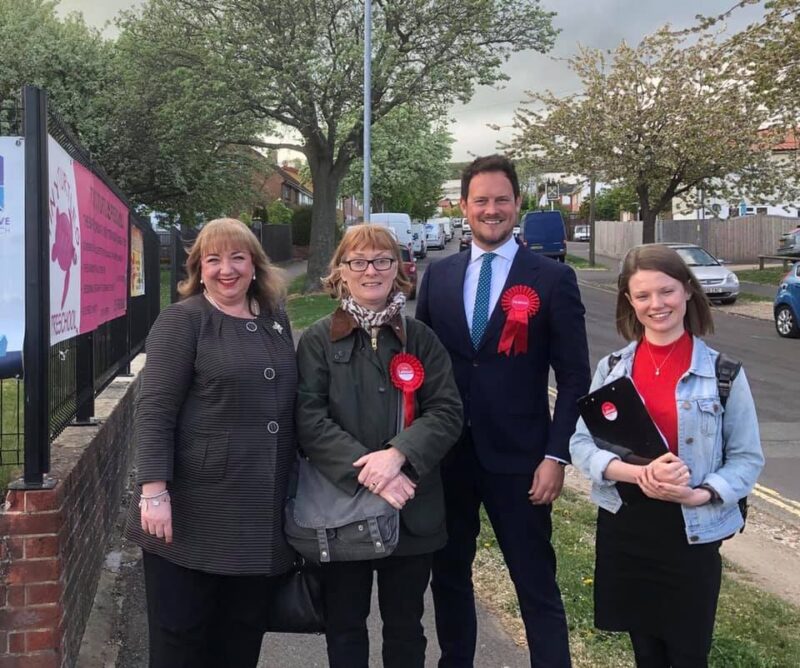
347 406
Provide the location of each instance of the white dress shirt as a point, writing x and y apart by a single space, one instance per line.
501 265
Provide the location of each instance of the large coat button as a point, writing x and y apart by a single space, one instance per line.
269 373
251 326
272 427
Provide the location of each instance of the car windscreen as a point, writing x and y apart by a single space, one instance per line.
697 257
405 254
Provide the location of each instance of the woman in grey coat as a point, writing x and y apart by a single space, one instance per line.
347 411
214 432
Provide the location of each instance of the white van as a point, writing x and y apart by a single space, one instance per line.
420 243
434 234
448 228
400 223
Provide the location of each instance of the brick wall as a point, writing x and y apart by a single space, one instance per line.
52 542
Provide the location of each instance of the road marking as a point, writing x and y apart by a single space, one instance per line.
767 494
776 499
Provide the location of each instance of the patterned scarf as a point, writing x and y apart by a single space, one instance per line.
372 320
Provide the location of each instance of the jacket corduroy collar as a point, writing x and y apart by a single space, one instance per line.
343 324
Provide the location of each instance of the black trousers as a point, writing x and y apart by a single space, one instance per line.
653 652
523 533
203 620
402 582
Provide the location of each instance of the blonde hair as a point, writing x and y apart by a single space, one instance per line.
655 257
269 287
361 237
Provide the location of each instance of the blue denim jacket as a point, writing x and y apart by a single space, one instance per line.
721 447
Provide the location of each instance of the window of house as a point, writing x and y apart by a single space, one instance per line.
761 209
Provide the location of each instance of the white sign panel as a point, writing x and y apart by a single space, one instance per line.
12 255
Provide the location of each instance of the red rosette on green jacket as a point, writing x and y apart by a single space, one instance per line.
407 374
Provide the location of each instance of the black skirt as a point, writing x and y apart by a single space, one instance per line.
649 579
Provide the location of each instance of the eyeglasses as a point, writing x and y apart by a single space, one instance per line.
379 263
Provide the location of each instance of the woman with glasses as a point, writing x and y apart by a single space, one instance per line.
349 394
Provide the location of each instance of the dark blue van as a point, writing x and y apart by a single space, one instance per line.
544 232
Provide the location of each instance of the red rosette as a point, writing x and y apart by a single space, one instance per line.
521 303
407 374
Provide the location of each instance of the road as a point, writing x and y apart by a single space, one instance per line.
772 365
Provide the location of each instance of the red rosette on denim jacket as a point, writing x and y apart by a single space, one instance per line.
407 374
520 303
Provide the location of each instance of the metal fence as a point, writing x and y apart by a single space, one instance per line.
61 381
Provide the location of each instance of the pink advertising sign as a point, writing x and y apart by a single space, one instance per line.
88 249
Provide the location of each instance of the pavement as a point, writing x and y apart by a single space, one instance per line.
116 633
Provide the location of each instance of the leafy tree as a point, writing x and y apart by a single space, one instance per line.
278 213
300 64
610 203
410 161
663 118
63 56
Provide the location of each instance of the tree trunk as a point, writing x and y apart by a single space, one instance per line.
648 225
323 219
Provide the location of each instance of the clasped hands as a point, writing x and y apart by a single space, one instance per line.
380 474
667 479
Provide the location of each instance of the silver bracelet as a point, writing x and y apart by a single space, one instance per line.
155 499
163 492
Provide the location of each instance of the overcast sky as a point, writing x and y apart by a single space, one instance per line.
594 23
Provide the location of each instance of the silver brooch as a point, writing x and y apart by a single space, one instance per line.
277 327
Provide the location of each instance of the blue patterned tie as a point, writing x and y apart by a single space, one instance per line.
480 316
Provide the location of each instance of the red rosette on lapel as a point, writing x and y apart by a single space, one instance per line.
520 303
407 374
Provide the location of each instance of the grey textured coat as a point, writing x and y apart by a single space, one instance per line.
214 418
347 407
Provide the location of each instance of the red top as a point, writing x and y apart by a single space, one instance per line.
656 372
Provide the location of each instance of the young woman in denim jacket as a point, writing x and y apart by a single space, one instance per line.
658 568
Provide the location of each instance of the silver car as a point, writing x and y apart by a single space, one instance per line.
719 284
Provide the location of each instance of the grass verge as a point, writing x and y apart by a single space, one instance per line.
579 263
750 298
305 310
754 629
766 276
166 298
12 440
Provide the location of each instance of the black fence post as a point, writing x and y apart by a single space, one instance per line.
174 262
36 347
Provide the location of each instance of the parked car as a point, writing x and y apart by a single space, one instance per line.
544 232
434 234
448 229
581 233
456 222
516 231
419 243
790 243
719 284
465 241
787 304
410 266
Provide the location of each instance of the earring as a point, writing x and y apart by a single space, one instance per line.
201 281
254 277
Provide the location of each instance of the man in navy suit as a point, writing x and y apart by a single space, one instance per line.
507 316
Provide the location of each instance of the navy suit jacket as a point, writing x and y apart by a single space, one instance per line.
506 404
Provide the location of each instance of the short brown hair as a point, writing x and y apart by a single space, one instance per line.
359 237
656 257
489 163
269 288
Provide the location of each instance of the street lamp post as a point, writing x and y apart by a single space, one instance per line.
367 105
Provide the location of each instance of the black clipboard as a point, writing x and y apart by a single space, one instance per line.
618 421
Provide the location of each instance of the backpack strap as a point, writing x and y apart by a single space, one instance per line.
727 368
612 361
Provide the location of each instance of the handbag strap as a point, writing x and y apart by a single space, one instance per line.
324 547
400 406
